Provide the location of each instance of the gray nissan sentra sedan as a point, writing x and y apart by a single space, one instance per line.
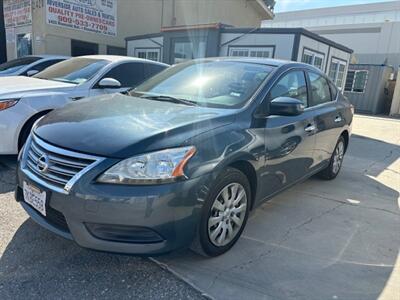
181 160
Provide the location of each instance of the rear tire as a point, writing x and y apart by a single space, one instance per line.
335 164
224 215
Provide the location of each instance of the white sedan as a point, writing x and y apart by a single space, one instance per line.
29 65
25 99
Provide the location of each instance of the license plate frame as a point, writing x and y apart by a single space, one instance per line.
35 197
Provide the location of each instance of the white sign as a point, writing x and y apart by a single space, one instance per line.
98 16
17 13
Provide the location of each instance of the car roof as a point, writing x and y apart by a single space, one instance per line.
47 56
117 58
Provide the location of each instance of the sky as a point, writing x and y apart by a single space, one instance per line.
290 5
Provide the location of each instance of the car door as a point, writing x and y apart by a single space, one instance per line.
289 140
328 118
129 74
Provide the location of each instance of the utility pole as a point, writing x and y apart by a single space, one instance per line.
3 48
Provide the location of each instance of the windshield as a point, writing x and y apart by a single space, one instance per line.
227 84
75 70
17 64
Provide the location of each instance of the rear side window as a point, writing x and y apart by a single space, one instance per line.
320 91
292 85
128 74
43 65
153 69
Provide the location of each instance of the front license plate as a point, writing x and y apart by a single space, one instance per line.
35 197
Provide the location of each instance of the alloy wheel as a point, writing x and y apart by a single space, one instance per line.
338 157
227 214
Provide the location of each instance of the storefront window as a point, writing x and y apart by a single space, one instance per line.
356 81
260 52
150 53
337 72
315 59
24 44
186 50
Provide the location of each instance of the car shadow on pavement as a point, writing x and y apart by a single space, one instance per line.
8 165
36 264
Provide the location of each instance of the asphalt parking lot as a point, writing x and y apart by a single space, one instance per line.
318 240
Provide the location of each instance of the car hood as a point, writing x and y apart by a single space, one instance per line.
21 84
120 126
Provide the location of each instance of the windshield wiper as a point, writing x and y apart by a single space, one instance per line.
170 99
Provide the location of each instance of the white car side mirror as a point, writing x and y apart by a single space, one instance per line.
31 73
109 83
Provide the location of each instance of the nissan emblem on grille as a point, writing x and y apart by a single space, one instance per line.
43 163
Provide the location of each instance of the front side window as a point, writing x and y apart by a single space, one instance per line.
337 72
356 81
128 74
75 70
17 64
292 85
313 58
320 91
259 52
224 84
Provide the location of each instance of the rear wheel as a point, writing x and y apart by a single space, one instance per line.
224 214
336 161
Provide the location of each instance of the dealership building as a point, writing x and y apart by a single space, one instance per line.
78 27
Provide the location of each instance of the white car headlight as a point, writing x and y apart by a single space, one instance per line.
151 168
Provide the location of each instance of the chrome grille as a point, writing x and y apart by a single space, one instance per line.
56 167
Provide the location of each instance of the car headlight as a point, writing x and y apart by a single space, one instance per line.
151 168
7 103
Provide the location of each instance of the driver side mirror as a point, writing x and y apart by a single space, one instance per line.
109 83
31 73
286 106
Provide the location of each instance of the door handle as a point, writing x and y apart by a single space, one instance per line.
338 119
310 128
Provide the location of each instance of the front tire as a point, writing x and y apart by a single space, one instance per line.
335 164
224 214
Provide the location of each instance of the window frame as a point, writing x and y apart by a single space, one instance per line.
267 100
314 54
147 50
340 62
270 48
354 80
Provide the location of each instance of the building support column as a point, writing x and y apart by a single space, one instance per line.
3 48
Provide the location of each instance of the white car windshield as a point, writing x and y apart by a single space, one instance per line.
75 70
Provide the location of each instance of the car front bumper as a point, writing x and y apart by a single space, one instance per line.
97 215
